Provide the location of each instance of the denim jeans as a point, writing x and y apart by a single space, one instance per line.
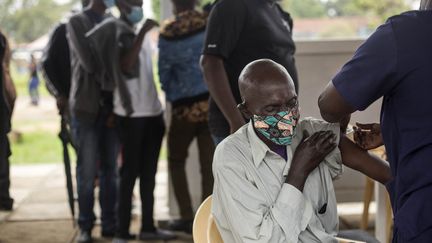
97 148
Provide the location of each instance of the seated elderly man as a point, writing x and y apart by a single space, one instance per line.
273 177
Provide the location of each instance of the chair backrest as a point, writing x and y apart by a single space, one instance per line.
204 226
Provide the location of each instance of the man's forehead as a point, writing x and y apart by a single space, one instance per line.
271 92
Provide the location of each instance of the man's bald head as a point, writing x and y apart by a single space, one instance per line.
265 86
261 73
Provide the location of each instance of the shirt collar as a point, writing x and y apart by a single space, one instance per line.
258 147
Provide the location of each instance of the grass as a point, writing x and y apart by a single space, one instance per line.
38 147
45 147
21 80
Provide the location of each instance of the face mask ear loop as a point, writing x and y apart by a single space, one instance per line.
323 209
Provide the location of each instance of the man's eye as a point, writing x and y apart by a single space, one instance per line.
270 109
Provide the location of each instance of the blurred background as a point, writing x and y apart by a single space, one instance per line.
28 25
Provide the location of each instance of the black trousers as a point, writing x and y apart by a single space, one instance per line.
180 136
5 199
141 139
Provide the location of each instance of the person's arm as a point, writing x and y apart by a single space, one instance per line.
369 75
225 26
78 43
165 66
130 57
361 160
368 136
333 106
220 90
246 211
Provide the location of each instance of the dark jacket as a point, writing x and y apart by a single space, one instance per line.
85 97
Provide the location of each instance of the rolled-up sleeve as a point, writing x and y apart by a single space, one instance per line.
334 159
245 214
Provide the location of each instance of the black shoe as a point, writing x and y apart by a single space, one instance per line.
180 225
6 205
127 236
84 237
158 234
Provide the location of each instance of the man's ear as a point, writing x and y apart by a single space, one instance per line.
245 112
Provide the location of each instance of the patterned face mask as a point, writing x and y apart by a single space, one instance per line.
278 128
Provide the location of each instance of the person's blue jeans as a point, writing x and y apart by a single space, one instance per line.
97 148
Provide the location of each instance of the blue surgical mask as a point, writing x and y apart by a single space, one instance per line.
136 14
109 3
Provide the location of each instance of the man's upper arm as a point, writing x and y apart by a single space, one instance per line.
226 22
164 66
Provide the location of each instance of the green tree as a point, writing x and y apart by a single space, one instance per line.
26 20
381 9
305 8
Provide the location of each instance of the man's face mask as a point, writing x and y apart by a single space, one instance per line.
278 128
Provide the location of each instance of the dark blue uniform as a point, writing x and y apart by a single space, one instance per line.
396 63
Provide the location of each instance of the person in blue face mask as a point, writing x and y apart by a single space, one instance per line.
125 61
273 177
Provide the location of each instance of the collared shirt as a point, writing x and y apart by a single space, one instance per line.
252 202
242 31
396 63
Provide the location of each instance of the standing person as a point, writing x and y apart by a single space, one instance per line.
126 60
182 80
34 81
7 101
395 63
92 130
239 32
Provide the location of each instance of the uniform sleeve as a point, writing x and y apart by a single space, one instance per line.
370 74
79 44
334 159
244 212
226 22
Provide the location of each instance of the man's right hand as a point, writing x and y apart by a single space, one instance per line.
62 103
308 155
